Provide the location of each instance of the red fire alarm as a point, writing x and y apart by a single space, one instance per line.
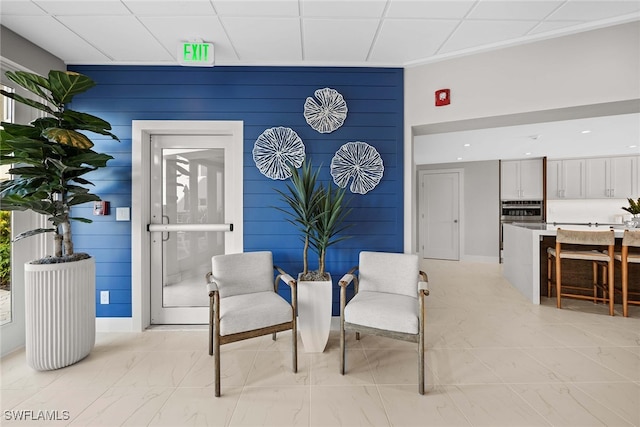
443 97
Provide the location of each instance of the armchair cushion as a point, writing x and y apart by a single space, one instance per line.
389 272
391 312
240 313
243 273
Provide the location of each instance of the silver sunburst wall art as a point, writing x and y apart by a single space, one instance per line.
327 111
360 161
275 150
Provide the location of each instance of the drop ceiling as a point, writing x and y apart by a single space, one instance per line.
395 33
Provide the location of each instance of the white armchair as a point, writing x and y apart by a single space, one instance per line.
388 301
244 303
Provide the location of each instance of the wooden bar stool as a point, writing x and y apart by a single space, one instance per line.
629 238
603 241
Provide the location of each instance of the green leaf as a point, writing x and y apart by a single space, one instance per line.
84 121
33 233
64 85
67 137
28 101
34 83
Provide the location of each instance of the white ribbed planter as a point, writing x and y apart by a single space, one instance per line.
314 314
60 313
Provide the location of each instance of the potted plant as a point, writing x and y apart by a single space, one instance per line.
633 209
50 156
318 212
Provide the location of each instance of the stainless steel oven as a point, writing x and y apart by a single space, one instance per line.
520 211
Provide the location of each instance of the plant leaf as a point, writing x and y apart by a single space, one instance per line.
67 137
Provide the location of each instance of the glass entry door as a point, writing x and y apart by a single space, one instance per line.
189 225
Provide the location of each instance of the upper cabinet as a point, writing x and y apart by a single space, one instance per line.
593 178
521 179
613 177
566 179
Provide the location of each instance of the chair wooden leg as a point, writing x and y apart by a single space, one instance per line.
294 343
594 266
343 350
611 285
210 325
625 286
558 283
421 346
549 275
273 337
216 343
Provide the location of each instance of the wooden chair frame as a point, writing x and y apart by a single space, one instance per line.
216 340
604 259
346 326
628 240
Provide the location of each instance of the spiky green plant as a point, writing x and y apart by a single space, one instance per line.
634 206
50 155
302 198
330 216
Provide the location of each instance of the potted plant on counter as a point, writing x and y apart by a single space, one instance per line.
318 211
634 209
49 158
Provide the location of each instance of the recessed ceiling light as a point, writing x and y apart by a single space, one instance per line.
586 131
459 158
633 146
527 154
467 145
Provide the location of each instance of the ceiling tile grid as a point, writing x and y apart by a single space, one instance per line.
381 33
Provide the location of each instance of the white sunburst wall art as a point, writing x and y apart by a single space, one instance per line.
275 150
327 111
360 161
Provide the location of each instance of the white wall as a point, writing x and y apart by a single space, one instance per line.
592 67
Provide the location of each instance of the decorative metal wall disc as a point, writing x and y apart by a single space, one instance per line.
275 150
328 113
360 161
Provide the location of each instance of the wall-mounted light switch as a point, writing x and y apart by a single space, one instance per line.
104 297
123 214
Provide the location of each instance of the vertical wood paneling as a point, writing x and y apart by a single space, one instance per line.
261 97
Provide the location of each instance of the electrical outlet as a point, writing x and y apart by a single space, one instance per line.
104 297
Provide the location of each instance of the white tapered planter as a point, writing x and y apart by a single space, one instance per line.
60 312
314 314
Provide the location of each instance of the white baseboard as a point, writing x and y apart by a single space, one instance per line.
114 324
482 259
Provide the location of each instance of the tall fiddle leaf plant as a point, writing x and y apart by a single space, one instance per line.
50 155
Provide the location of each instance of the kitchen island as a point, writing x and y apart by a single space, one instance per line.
524 258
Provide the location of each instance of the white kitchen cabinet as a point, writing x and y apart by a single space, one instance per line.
611 177
521 179
566 179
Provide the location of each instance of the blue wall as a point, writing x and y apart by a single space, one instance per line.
262 97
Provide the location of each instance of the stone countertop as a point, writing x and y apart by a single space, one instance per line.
550 228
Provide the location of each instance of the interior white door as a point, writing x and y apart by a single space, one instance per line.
190 222
439 216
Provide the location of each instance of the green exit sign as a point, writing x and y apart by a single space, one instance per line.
195 54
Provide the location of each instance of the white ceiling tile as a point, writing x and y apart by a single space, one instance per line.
170 31
432 9
327 40
127 41
580 10
477 33
342 9
402 41
170 8
514 10
20 7
256 7
76 7
548 26
265 39
55 38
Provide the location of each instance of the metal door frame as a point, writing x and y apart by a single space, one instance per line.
140 200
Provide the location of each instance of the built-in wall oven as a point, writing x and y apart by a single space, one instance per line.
520 211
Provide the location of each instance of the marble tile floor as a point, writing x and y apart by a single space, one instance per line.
493 359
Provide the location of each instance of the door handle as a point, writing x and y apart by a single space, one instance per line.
168 222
